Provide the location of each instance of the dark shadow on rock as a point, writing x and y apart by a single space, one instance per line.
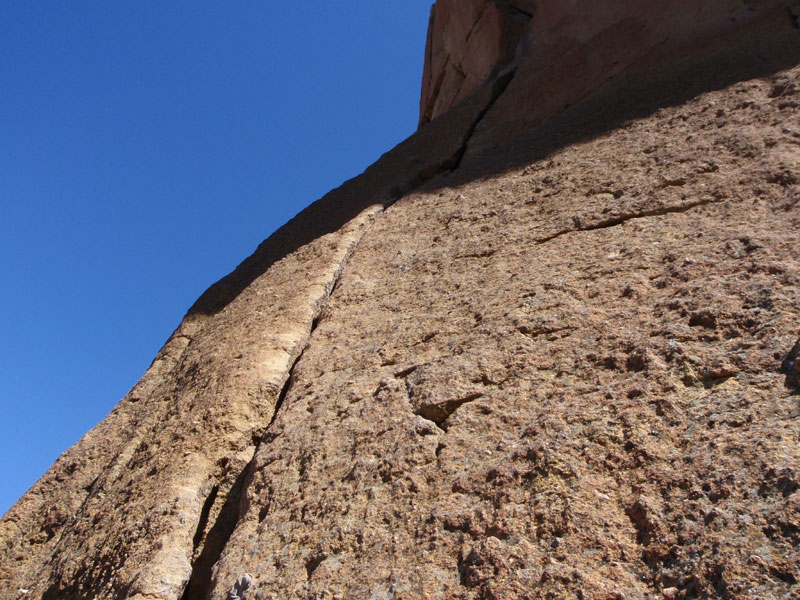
663 79
428 153
429 156
791 368
199 582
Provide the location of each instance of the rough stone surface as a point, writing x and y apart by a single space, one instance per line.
551 355
154 488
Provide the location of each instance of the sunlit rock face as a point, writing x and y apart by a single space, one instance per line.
547 347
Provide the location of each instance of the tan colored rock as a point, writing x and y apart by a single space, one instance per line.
147 493
530 353
581 459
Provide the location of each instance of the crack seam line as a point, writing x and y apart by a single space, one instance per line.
450 164
656 212
519 10
500 84
472 27
321 305
337 274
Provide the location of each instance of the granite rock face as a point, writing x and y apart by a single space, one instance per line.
545 348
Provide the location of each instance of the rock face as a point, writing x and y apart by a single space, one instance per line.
469 44
545 348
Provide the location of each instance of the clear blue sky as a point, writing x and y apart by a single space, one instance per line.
146 148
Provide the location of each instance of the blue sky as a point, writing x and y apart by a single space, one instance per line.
146 148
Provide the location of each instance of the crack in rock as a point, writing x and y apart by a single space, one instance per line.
499 86
216 540
201 575
794 14
655 212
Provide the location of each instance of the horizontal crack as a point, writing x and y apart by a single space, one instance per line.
406 372
524 13
484 254
656 212
534 333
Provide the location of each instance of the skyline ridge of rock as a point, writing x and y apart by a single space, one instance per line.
543 348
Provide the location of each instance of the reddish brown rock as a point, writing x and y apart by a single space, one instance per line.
600 328
469 44
533 352
561 51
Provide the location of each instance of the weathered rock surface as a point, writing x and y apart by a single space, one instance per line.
144 494
533 352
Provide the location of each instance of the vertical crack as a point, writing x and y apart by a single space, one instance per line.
498 87
199 583
204 515
217 538
200 579
794 14
285 389
453 162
